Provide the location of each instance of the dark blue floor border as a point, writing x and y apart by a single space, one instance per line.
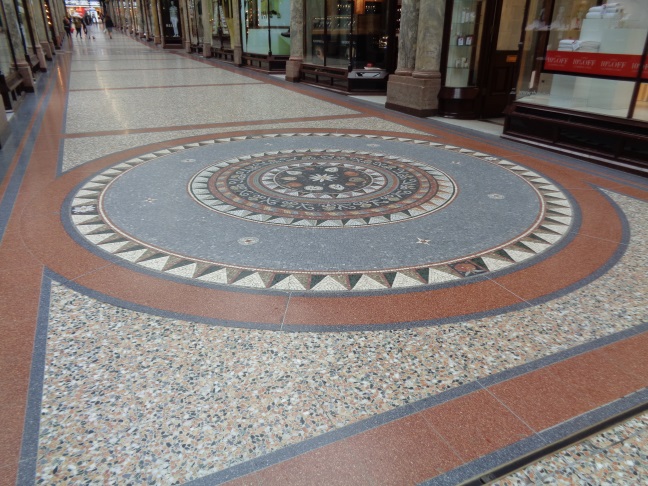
531 449
29 447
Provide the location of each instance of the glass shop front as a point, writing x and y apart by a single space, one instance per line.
264 22
583 79
350 45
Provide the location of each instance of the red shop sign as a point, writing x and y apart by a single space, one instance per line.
617 65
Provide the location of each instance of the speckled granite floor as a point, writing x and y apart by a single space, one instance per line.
257 282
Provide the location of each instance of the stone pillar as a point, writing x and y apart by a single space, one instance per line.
4 126
235 37
47 49
141 10
294 63
134 24
155 5
117 18
57 12
407 37
207 9
186 26
41 57
417 94
24 69
22 66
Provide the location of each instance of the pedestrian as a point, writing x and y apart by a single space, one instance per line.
108 24
67 25
78 26
87 25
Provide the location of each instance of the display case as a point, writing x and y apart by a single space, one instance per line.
462 45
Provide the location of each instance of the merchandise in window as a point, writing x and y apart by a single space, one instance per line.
264 21
586 58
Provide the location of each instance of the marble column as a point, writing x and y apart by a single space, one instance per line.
235 36
294 63
46 43
407 37
134 23
185 21
141 25
22 66
57 23
38 29
155 5
398 84
417 94
207 9
4 127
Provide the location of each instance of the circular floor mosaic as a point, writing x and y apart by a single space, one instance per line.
300 190
325 189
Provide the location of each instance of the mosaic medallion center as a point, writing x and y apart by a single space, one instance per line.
322 179
322 188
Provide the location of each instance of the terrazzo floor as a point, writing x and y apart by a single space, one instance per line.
209 275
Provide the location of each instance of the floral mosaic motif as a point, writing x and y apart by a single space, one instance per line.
323 188
552 227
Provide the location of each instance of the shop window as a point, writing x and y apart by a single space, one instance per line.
583 55
223 24
347 34
465 37
264 21
641 107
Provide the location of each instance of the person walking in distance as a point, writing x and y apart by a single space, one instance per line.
108 24
67 25
78 26
87 25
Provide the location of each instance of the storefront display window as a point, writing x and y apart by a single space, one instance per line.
641 107
223 24
584 55
264 21
171 21
347 34
465 36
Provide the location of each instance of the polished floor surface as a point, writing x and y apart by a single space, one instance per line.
210 275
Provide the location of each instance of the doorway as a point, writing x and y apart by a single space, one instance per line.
481 52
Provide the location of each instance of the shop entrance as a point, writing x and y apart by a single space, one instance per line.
501 67
481 57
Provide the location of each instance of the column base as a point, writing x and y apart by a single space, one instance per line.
41 57
293 70
4 127
238 56
27 76
207 50
414 96
47 50
187 46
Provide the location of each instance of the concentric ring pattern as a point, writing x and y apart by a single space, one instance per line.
321 188
326 189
